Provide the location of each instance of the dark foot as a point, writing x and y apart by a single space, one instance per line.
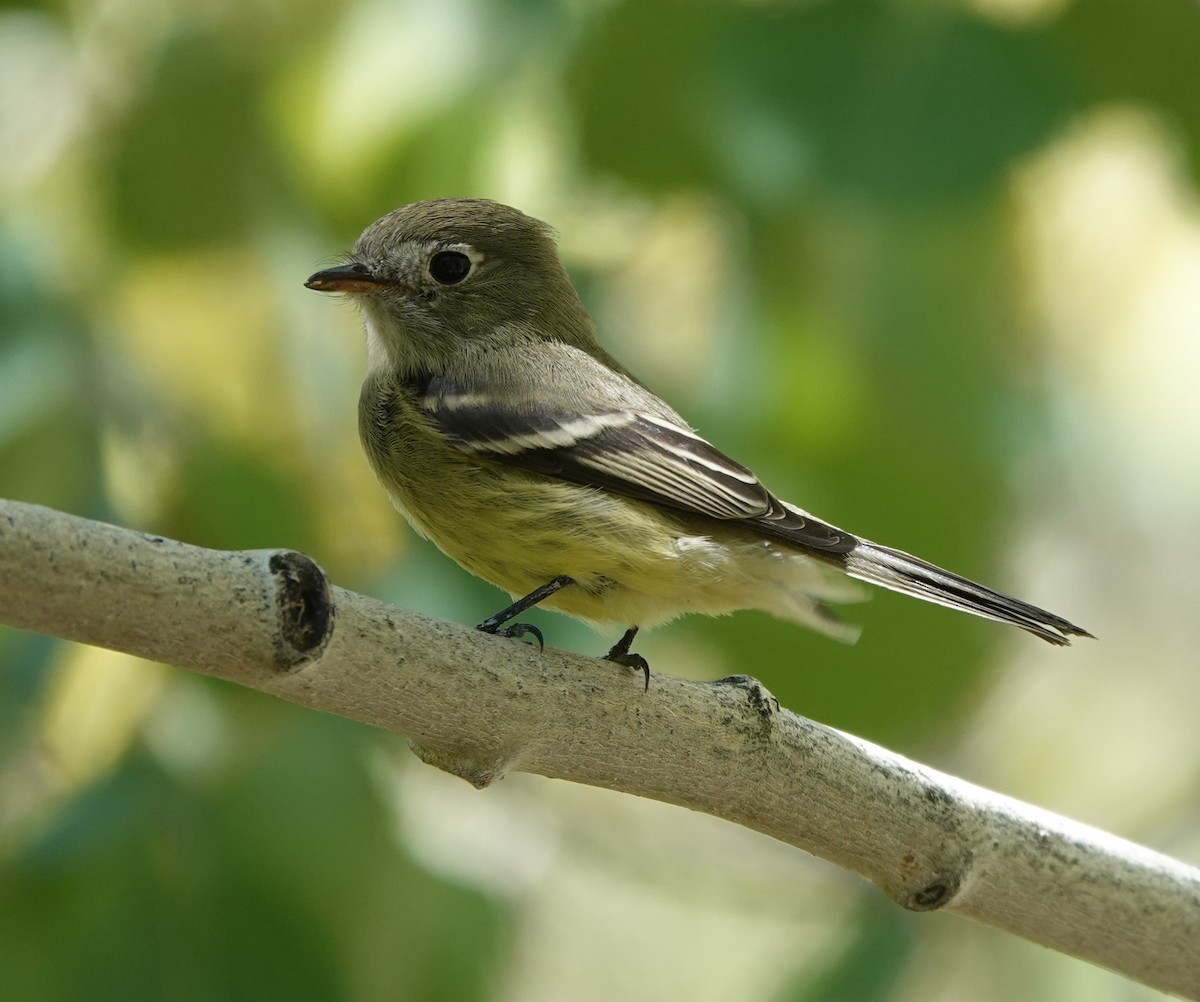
619 652
514 631
493 623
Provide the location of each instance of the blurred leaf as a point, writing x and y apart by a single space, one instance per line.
439 158
241 500
897 101
282 882
192 167
55 462
636 97
1139 52
891 100
45 407
27 660
868 966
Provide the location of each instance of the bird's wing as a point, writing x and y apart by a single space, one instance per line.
616 445
632 444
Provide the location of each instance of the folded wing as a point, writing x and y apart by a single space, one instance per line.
644 455
632 453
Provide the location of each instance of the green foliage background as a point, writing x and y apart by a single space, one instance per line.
172 173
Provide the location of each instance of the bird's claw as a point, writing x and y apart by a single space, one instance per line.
515 632
632 661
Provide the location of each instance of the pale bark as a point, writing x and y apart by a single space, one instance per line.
479 706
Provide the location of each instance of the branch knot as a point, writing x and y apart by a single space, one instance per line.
304 604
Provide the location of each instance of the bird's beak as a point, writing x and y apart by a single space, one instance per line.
354 279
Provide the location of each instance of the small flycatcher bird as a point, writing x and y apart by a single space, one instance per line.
505 434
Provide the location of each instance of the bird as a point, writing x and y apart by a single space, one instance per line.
506 434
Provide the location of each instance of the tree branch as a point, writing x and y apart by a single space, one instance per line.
478 706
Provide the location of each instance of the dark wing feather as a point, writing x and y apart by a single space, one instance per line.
628 452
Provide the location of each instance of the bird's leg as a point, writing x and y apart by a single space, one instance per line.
493 623
619 652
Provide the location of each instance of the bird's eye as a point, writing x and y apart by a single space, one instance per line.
449 267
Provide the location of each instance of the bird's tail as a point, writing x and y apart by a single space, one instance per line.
905 573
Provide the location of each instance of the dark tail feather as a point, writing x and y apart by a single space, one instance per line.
902 572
